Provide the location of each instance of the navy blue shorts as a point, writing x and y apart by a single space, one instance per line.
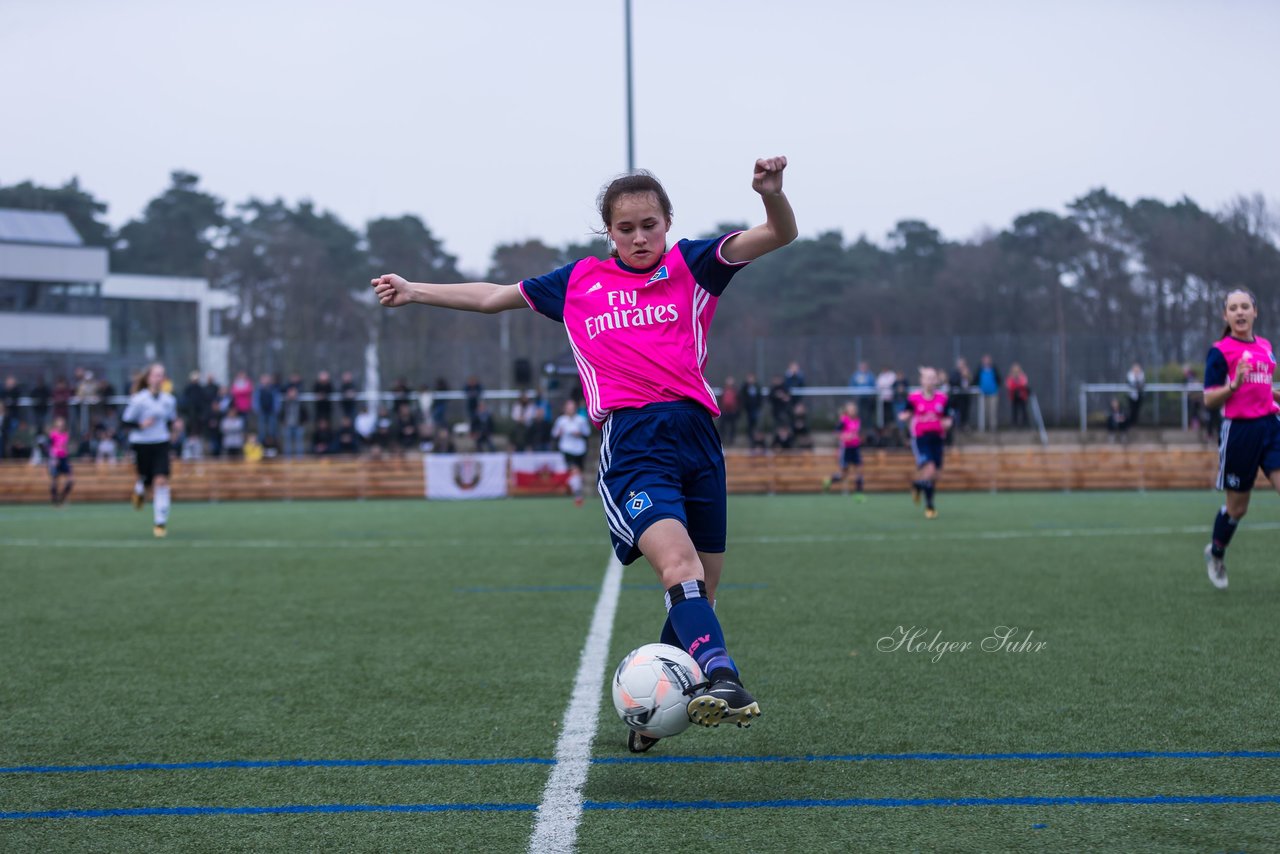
851 456
662 461
928 449
59 465
1244 446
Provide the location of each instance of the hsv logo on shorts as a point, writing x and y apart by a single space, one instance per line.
638 503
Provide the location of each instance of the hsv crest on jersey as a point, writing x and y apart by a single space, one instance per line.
659 275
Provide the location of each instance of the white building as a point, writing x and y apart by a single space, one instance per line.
61 308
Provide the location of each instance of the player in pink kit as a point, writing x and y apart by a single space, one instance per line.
850 451
927 412
59 462
1238 376
637 324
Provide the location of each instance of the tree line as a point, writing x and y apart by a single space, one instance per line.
1144 278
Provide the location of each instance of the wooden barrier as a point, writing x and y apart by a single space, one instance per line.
228 480
985 469
993 469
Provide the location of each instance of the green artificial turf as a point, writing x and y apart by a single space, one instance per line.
386 645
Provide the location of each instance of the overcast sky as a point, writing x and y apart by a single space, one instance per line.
499 121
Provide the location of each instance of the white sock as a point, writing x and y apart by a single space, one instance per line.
139 488
161 502
575 483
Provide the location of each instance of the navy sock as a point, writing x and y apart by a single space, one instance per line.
858 483
669 636
1224 528
928 495
695 623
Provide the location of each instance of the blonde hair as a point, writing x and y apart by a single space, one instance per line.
140 379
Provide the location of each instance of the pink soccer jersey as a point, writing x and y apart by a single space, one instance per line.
850 431
928 412
638 336
1253 399
58 444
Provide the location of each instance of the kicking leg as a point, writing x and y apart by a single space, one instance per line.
693 621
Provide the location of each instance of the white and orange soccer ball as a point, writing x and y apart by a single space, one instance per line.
652 687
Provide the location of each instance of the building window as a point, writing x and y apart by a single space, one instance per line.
50 297
218 322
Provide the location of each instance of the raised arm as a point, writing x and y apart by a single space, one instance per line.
779 226
1215 397
485 297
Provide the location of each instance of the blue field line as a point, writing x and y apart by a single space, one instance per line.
799 803
640 760
285 809
948 757
266 763
1024 801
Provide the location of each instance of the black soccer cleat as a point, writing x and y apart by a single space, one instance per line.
723 701
638 743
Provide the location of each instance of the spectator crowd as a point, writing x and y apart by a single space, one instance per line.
272 417
291 418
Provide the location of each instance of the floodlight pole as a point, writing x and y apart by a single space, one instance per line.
631 122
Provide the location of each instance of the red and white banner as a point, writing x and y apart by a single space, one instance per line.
454 477
539 473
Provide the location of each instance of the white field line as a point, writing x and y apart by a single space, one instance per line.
556 828
782 539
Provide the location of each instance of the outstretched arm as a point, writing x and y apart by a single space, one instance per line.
779 226
394 291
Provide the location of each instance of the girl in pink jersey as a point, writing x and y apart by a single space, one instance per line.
637 323
1238 376
930 420
850 452
59 462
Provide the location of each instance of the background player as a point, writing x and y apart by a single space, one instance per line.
850 452
1238 374
150 412
59 462
927 413
571 432
637 323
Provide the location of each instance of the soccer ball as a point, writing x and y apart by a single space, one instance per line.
649 689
